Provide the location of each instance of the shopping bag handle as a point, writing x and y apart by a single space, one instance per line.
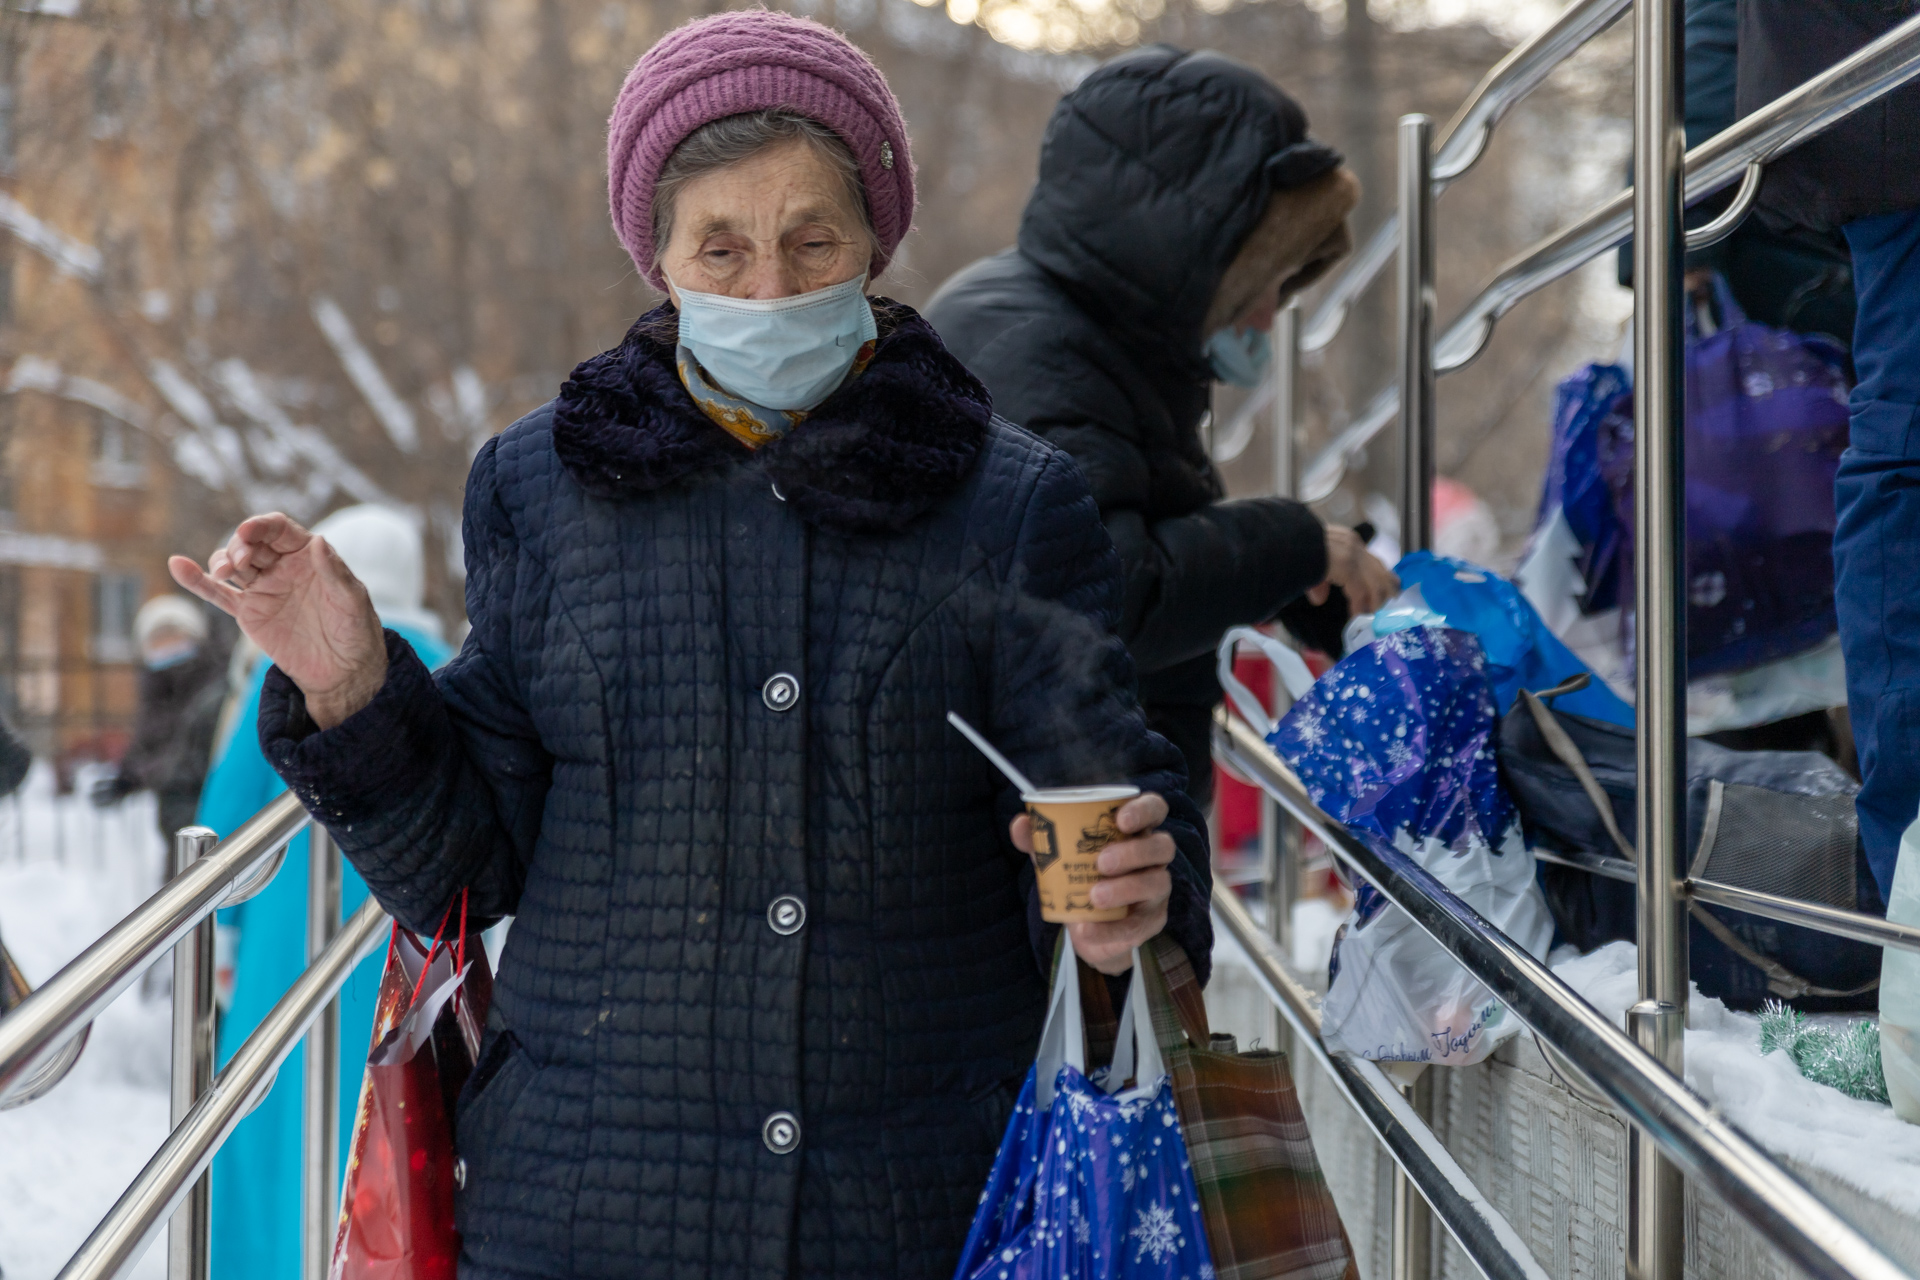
1287 664
1063 1039
460 954
1137 1035
1173 998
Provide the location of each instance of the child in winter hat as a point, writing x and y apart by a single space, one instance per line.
754 60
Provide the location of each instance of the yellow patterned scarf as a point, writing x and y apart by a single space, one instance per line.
751 424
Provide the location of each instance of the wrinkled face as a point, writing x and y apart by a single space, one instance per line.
779 223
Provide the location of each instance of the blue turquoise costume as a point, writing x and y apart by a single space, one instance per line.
256 1175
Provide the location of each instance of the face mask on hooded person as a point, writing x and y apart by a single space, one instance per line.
168 649
169 630
1239 357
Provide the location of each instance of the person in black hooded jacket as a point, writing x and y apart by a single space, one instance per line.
1179 203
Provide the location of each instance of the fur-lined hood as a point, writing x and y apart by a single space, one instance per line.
1154 172
877 453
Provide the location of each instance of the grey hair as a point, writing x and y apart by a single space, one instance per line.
731 139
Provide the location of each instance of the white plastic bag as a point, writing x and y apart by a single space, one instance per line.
1397 996
1397 742
1900 987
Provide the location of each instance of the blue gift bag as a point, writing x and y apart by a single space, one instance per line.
1090 1185
1397 742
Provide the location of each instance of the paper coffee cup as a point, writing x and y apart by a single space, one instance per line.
1071 825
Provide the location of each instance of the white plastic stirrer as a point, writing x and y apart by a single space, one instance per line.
1000 762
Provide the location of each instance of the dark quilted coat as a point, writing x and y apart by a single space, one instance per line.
599 761
1088 333
1866 164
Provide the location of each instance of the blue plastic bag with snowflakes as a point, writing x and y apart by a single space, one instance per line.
1090 1185
1398 743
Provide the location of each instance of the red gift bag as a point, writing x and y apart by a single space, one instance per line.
396 1210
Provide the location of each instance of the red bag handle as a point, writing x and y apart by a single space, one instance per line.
460 955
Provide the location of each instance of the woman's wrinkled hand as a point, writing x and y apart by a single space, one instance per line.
1134 875
295 598
1351 567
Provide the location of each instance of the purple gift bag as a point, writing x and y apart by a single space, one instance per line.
1766 424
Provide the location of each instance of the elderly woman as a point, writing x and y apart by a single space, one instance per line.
776 970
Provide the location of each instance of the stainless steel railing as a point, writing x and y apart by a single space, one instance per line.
1481 1230
66 1004
1870 73
1462 143
1672 1132
130 1226
40 1038
1656 1103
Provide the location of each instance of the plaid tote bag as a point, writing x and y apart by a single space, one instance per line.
1267 1209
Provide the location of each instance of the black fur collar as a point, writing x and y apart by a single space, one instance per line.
876 454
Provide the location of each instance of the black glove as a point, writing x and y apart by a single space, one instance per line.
107 792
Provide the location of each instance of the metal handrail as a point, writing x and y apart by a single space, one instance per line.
1704 1144
1482 1232
1817 916
1463 142
53 1069
1871 72
117 1244
67 1003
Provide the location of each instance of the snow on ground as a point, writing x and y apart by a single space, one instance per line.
1861 1143
67 873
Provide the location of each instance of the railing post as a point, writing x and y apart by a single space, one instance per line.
1280 838
1412 1238
1656 1205
1416 332
187 1233
320 1096
1412 1226
1286 397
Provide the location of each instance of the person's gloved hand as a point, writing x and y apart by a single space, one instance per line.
109 791
1351 567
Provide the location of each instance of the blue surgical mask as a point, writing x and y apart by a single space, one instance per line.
163 656
1239 356
779 353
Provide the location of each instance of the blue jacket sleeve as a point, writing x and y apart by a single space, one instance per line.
1063 695
439 783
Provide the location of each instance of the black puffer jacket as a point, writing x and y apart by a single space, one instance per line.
609 759
1152 173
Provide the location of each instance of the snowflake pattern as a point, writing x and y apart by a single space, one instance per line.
1102 1180
1157 1233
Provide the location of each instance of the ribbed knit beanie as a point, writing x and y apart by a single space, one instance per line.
754 60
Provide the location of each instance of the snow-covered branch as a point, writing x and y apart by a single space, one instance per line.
70 256
393 412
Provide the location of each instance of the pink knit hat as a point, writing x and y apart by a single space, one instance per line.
754 60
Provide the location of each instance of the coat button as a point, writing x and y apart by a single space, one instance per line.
780 692
781 1133
460 1173
786 914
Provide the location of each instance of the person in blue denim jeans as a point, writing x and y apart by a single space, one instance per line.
1863 176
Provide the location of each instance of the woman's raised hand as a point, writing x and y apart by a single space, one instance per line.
295 598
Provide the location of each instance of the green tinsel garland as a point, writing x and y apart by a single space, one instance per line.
1848 1058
